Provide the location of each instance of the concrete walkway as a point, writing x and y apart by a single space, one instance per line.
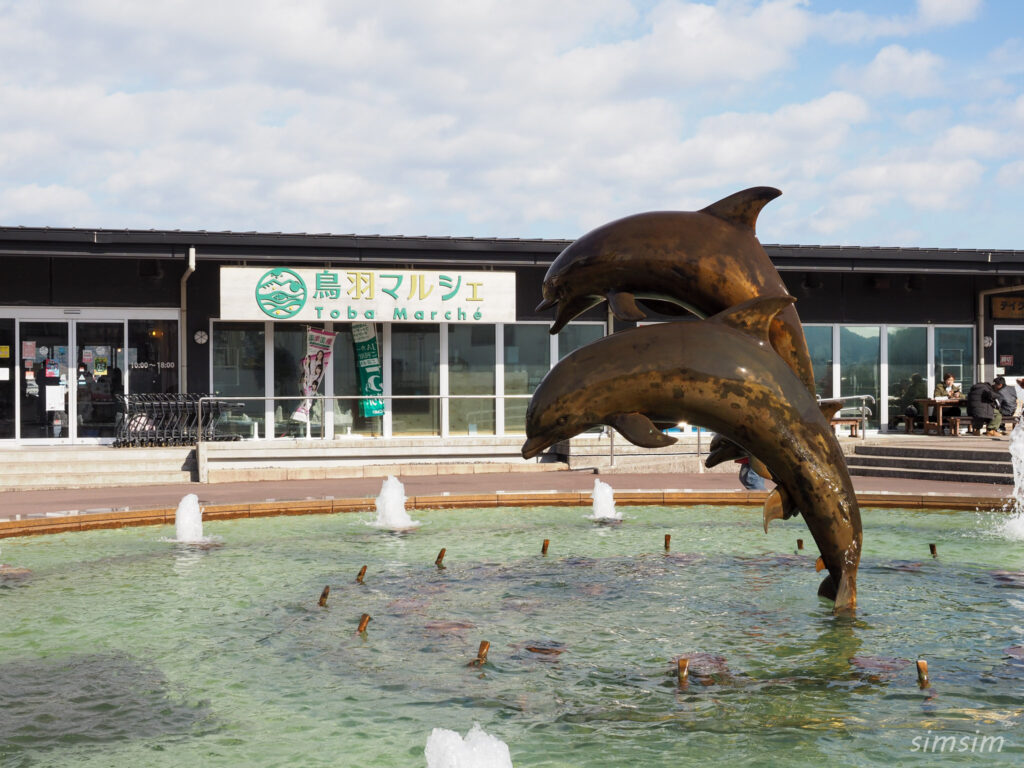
101 500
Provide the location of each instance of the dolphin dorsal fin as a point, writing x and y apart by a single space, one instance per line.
753 316
742 207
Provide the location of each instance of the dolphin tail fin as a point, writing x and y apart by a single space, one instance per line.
830 408
753 316
742 207
640 430
845 595
624 306
777 506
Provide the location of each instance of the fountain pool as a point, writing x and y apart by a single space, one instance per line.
122 649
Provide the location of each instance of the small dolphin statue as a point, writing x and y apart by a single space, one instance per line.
722 374
705 261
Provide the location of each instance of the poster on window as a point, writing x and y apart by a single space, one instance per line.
364 338
319 344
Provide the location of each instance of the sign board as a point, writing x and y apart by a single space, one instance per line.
1006 361
355 295
1008 307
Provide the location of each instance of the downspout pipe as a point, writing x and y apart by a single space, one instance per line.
983 295
183 333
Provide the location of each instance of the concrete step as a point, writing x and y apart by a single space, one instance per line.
951 476
965 466
952 453
46 478
231 473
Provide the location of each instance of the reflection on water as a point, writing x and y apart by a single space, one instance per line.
232 662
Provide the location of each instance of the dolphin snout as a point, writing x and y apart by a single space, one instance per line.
546 304
535 445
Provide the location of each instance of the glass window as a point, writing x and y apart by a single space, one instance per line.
238 370
415 370
954 353
152 356
908 370
576 335
859 364
289 349
348 418
1009 354
527 361
819 344
8 379
471 359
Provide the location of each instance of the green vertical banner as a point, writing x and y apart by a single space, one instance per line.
364 338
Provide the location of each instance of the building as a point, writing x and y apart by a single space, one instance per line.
87 314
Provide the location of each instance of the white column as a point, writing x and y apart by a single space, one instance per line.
443 379
268 378
385 359
499 379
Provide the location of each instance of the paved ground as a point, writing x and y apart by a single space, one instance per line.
161 496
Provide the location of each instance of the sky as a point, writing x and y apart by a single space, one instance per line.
895 123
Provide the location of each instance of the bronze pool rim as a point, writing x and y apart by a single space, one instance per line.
754 499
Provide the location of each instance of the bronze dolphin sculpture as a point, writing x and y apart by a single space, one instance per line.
704 260
720 373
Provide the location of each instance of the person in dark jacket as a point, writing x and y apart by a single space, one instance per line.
983 405
1007 401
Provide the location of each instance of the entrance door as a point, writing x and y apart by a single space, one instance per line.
99 377
43 376
9 378
1009 353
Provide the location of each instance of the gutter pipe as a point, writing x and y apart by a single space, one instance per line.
182 334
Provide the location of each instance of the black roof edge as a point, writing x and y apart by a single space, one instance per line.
261 246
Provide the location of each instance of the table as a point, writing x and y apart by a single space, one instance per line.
926 404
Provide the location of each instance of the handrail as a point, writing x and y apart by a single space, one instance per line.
863 409
317 398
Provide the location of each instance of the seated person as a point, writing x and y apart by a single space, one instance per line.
948 388
983 405
913 390
1007 401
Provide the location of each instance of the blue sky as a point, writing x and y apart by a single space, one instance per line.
883 123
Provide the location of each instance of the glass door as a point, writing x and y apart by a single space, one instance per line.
1009 353
8 378
43 377
860 359
99 377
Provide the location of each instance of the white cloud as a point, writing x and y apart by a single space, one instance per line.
55 201
970 141
487 118
895 70
1011 174
947 12
859 26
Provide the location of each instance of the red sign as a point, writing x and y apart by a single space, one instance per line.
1006 361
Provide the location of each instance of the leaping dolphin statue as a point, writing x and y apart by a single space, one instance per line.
705 261
722 374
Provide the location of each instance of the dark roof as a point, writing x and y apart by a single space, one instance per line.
492 251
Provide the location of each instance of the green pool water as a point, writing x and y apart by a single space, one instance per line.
123 649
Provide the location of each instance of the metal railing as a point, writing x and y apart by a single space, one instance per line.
247 426
861 411
149 420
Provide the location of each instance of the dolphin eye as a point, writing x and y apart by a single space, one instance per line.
562 420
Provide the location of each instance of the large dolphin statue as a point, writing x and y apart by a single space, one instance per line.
704 260
722 374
